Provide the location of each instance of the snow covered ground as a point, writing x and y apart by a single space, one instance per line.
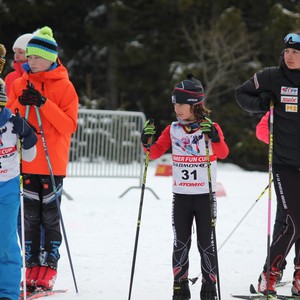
101 230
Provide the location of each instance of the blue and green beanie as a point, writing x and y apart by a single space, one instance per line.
43 44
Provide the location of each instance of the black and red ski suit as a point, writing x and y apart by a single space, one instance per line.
194 204
282 85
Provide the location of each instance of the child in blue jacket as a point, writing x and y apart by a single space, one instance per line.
12 128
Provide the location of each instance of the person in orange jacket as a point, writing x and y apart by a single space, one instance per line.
19 48
44 90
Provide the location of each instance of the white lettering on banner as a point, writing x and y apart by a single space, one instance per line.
286 90
281 191
8 150
291 108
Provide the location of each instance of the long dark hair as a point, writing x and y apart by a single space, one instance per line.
200 111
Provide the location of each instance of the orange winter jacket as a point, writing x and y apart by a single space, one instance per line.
58 116
12 76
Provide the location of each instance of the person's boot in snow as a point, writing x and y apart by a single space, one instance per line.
31 277
296 281
181 290
46 278
262 282
208 291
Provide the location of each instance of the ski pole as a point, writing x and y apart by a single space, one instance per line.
194 280
242 219
270 193
23 241
212 212
139 215
55 193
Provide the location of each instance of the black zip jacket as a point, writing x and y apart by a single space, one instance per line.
282 86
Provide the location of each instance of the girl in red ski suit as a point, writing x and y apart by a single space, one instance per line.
191 198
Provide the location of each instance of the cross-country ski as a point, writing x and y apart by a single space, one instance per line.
40 293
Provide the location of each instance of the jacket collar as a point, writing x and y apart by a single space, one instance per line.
5 114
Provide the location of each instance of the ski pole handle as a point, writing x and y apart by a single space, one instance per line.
150 138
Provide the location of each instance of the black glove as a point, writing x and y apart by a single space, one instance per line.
148 132
209 128
31 96
265 99
24 130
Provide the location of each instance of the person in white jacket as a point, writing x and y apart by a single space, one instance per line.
13 129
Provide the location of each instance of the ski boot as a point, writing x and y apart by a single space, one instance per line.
181 290
46 278
262 282
296 282
29 291
208 291
31 277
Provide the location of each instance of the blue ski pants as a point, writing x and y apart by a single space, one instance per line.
10 254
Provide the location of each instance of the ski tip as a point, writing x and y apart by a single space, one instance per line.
283 283
193 280
252 289
245 297
258 297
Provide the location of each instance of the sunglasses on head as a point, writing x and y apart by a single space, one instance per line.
292 38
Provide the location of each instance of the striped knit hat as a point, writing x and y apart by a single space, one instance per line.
43 44
3 98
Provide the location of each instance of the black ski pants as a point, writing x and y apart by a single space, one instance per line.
185 209
40 208
278 225
287 233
